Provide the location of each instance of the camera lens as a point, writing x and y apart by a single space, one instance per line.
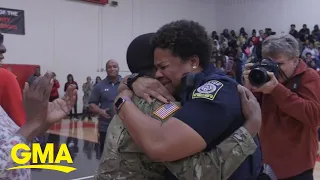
258 77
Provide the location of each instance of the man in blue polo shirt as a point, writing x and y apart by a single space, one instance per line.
102 99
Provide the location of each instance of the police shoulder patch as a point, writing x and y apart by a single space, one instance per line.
209 90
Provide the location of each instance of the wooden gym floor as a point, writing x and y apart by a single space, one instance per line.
81 138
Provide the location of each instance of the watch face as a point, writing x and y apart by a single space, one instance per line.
119 102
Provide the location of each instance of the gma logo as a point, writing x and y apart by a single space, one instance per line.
31 155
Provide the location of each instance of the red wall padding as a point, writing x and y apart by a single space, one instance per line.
22 71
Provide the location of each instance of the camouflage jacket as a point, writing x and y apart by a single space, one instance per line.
123 159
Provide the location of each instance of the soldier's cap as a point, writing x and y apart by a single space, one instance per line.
140 53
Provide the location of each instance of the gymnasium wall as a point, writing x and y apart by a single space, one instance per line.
259 14
70 36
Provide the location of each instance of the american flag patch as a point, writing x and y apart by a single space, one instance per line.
166 110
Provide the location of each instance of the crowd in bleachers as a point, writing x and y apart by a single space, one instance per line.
232 50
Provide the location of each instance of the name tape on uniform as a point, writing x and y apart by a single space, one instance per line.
166 110
209 90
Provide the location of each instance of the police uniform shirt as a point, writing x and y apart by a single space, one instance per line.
213 110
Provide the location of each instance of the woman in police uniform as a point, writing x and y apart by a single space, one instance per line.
211 107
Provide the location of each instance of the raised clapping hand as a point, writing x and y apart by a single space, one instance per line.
37 105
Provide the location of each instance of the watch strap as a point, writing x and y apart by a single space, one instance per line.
132 79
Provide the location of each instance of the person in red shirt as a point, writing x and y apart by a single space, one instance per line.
54 92
10 92
290 105
254 38
11 97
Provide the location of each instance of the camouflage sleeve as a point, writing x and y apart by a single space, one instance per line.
122 158
218 163
234 150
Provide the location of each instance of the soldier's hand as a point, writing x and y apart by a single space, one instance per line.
147 87
123 84
251 110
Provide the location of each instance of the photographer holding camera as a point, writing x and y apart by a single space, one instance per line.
288 92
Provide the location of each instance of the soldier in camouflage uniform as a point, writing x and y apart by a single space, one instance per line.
123 159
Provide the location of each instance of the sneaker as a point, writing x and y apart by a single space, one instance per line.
75 119
71 144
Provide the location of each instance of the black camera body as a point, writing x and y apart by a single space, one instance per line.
258 74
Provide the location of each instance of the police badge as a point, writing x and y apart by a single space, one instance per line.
209 90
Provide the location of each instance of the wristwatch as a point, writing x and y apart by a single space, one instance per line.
131 79
119 102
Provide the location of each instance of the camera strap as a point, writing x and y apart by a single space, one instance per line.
296 83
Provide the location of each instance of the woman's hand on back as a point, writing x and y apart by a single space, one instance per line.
251 110
146 88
